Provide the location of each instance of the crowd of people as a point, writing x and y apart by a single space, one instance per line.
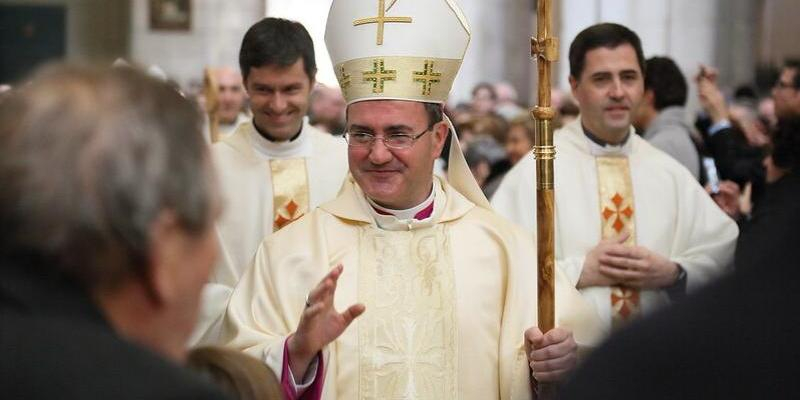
271 237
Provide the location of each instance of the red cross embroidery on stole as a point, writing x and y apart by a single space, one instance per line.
625 301
617 212
291 211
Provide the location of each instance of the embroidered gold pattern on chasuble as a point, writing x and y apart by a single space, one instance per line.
289 190
616 217
407 337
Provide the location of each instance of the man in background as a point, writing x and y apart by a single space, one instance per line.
231 97
662 117
634 229
274 168
326 111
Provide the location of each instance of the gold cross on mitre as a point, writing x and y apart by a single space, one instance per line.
427 77
378 75
382 19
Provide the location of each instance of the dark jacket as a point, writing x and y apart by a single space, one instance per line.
55 344
737 161
772 236
735 339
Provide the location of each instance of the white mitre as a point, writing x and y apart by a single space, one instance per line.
413 54
402 50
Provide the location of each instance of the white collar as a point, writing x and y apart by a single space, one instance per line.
610 150
404 219
299 147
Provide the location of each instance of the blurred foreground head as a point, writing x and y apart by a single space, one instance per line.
106 181
241 376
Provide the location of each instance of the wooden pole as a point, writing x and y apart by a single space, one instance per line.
544 49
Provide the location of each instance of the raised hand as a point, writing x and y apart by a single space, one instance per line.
319 324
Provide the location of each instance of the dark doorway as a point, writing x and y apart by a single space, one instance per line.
29 36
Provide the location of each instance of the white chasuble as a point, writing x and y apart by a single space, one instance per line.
448 299
408 342
265 186
673 216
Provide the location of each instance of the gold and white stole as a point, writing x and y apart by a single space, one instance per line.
289 190
617 216
407 339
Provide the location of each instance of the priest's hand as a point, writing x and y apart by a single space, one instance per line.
551 356
591 275
638 267
319 324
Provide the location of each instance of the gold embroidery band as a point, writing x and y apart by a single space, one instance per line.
379 75
616 217
407 342
425 79
289 190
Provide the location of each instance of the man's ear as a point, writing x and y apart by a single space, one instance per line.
440 131
312 82
166 242
573 85
650 97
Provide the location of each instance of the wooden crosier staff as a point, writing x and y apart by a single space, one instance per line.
210 92
545 50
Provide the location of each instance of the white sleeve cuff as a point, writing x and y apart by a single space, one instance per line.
572 268
723 124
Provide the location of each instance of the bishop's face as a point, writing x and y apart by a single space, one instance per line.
394 178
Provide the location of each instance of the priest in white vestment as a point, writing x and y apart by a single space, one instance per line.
438 292
634 230
275 167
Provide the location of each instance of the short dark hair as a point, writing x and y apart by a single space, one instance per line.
435 112
666 81
607 35
89 158
277 41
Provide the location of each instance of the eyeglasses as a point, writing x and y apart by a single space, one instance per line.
396 141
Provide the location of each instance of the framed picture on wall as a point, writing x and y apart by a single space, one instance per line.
170 15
